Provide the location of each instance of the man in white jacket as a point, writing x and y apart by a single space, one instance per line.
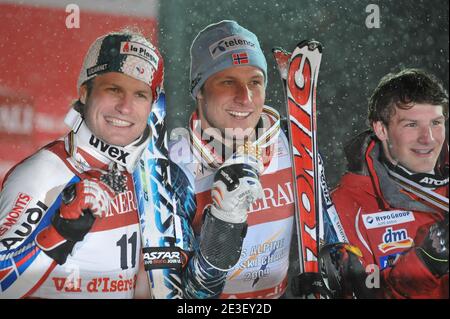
68 221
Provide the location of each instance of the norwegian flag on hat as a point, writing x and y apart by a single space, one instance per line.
240 58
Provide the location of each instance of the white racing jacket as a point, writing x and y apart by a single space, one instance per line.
105 263
262 269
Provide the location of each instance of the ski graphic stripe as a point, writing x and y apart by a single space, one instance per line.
157 209
301 107
316 218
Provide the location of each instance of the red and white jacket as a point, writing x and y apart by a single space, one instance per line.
386 223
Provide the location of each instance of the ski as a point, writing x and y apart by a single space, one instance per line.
317 221
156 208
333 229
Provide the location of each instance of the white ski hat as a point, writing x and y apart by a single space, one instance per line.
124 52
220 46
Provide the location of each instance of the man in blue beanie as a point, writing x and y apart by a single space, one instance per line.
233 171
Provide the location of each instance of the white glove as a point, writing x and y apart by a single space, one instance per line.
236 186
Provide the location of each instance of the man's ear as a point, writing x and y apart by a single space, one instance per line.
83 94
380 130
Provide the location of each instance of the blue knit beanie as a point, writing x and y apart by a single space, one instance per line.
220 46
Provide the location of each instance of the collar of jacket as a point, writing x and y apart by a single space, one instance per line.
212 152
88 151
389 191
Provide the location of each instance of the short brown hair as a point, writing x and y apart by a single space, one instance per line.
403 90
78 105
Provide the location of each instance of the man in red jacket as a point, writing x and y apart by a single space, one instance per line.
393 201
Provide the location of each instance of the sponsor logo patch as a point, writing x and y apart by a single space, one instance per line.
111 151
20 204
163 257
395 239
140 69
96 69
229 44
139 50
389 260
29 223
387 218
433 182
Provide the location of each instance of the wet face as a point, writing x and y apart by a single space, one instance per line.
232 99
117 107
414 137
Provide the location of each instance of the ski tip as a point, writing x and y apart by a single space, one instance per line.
277 50
311 44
